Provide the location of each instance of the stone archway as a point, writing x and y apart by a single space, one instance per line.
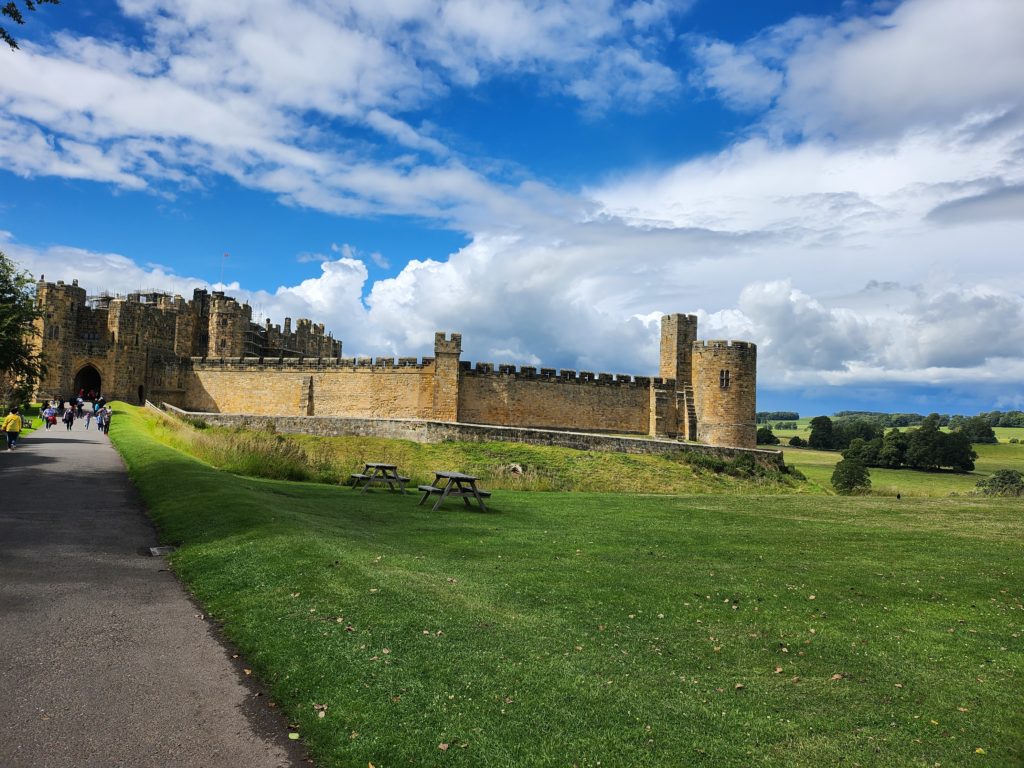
88 379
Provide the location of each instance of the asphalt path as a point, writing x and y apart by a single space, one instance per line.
104 659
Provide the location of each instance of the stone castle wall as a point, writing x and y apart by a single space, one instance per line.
524 397
136 346
300 387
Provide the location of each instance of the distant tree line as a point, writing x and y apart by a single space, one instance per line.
992 418
766 417
926 447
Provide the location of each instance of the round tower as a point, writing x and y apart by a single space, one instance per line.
725 392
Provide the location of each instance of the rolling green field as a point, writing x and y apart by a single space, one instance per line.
608 629
818 465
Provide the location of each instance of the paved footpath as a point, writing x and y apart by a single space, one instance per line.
104 660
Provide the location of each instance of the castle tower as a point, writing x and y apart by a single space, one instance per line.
446 376
678 333
57 330
229 323
725 384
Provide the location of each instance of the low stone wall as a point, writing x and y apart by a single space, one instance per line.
439 431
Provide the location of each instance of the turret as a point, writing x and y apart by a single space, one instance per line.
447 351
725 386
229 323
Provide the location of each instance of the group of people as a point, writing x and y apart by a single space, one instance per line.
77 408
67 411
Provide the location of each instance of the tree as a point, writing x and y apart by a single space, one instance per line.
1004 482
797 442
977 429
765 436
930 448
846 430
893 453
957 452
865 451
20 366
925 448
850 476
14 13
821 433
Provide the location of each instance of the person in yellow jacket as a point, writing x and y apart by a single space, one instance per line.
12 426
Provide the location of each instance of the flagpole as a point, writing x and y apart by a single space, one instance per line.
222 258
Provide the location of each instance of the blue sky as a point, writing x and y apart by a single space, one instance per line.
840 182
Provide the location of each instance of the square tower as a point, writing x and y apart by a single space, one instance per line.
678 332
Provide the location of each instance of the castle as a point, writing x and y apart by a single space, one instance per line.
207 354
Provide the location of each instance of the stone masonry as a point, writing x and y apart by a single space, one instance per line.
208 355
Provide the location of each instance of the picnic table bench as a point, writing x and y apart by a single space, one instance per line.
378 474
447 484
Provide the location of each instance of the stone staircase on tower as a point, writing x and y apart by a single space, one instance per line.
687 409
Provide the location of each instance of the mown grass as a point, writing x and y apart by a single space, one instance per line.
612 629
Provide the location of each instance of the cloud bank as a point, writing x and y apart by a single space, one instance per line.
864 229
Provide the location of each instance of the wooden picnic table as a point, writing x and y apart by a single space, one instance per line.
456 484
375 473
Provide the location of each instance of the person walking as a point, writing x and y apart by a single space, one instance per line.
88 417
69 418
108 414
12 426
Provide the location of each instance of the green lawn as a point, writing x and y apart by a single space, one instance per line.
613 629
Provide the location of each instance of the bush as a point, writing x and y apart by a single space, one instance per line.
765 436
850 476
795 473
1005 482
1014 440
704 461
797 442
742 466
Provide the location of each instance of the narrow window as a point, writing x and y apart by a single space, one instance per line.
723 378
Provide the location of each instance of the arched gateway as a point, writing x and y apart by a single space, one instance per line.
88 380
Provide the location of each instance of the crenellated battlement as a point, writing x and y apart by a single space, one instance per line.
560 376
445 344
308 363
724 344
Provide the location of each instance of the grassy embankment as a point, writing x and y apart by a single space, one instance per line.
620 629
501 466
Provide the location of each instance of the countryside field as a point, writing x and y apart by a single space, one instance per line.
818 465
612 629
